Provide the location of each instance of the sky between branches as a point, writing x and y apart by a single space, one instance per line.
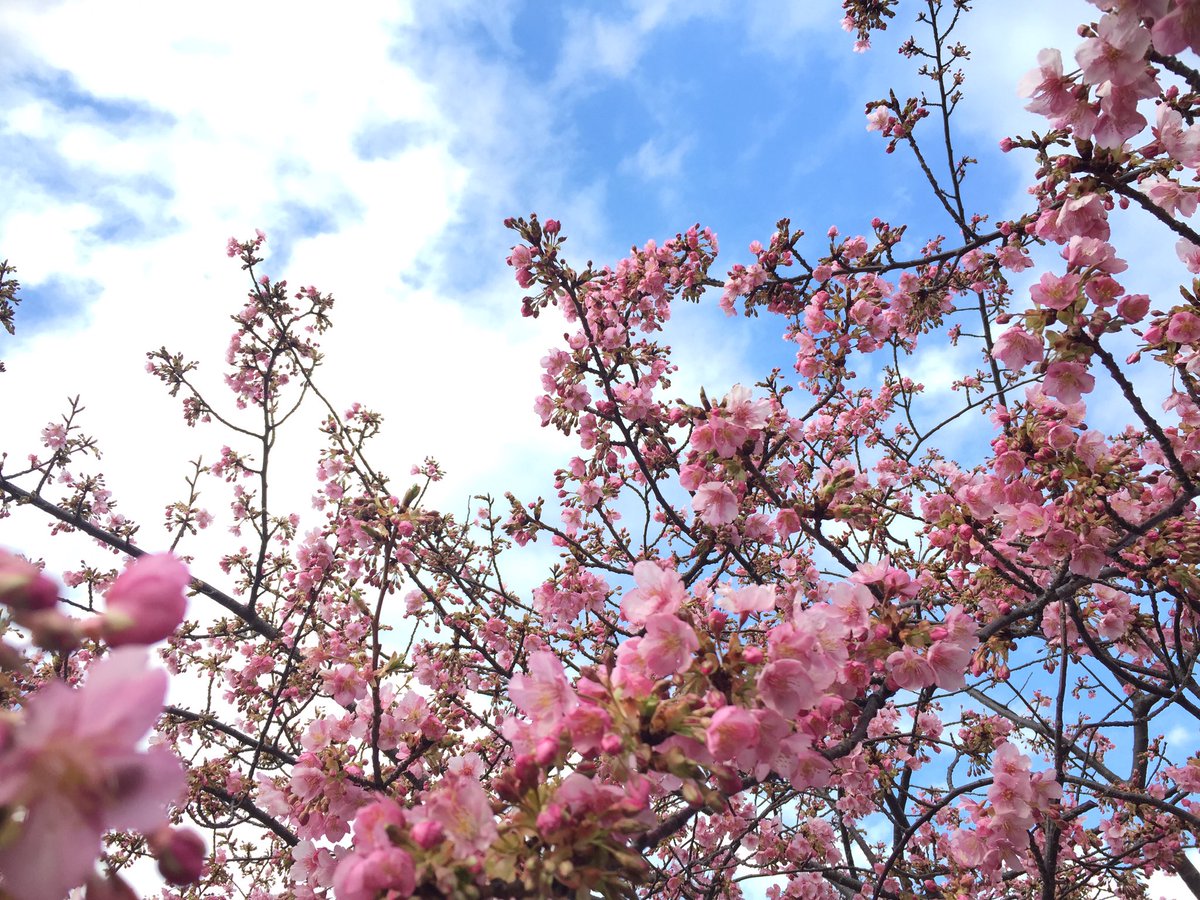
380 149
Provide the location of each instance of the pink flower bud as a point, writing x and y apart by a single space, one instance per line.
147 602
428 834
550 226
546 751
23 586
752 655
180 853
611 743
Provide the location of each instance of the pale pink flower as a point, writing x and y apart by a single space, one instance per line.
715 503
1016 347
363 876
668 645
1117 53
1050 94
74 766
1068 381
1184 328
1170 195
544 695
1181 143
1178 29
147 601
658 590
755 598
731 732
1189 254
1055 291
786 686
461 807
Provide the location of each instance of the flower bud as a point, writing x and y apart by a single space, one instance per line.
23 586
180 853
147 602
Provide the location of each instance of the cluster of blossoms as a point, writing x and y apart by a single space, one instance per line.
71 764
782 625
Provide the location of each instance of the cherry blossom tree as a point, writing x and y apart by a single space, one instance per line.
790 646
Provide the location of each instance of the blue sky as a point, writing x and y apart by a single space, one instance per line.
381 151
381 148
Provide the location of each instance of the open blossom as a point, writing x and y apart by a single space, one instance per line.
1067 382
715 503
1017 347
732 732
75 767
658 590
1189 254
1050 94
669 645
1117 53
756 598
544 694
462 809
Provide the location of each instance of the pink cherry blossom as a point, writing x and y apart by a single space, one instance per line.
76 769
147 601
756 598
669 645
1016 348
715 503
658 590
544 695
1068 381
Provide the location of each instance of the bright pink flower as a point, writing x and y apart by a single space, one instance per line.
147 601
715 503
669 645
75 768
461 807
23 587
658 590
1016 347
362 876
544 695
1067 382
1184 328
786 687
756 598
731 732
909 671
1117 53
